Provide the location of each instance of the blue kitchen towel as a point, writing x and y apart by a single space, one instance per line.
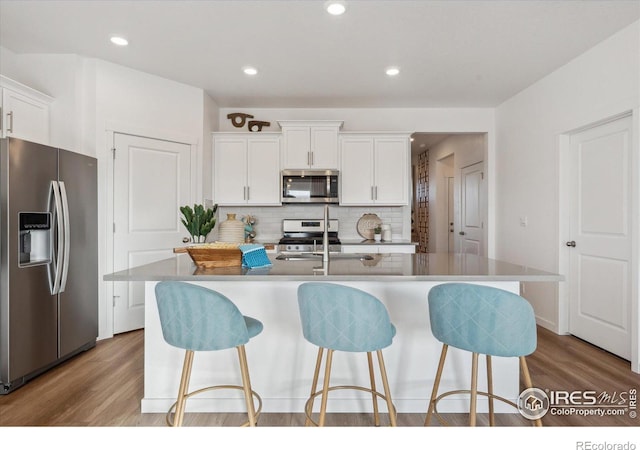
254 255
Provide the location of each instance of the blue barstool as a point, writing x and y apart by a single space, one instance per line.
481 320
198 319
342 318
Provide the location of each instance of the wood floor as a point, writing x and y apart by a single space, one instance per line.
103 387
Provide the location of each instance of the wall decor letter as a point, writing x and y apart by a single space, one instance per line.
238 119
256 125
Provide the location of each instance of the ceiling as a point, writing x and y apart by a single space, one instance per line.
450 53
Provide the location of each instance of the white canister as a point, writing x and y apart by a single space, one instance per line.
386 232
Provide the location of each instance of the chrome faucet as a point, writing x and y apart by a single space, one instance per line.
325 235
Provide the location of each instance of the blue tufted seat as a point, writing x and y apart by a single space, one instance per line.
336 317
481 320
194 318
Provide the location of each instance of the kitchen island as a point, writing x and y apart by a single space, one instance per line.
281 361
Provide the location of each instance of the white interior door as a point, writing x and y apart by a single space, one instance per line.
600 242
472 209
152 179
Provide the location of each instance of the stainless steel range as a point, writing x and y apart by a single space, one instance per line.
305 235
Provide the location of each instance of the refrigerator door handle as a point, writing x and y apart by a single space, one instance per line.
56 264
67 236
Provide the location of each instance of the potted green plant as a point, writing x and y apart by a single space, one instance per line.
198 221
377 232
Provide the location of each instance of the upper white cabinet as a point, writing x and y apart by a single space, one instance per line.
374 168
310 144
25 112
246 168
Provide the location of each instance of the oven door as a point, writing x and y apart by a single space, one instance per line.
310 186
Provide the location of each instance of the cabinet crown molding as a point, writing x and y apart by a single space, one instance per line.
8 83
247 133
310 123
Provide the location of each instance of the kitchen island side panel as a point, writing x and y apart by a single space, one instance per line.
281 361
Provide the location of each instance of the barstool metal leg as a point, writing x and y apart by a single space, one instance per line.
182 390
246 385
436 384
387 391
527 381
376 415
474 390
314 385
325 387
492 420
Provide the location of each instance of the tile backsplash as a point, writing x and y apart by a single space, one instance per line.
268 225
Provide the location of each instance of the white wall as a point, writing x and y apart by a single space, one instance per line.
134 102
601 83
376 119
463 150
211 122
59 76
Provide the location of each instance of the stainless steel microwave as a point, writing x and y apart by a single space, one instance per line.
310 186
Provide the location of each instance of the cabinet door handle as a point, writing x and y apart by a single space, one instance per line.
244 192
248 192
372 196
376 193
312 162
10 117
309 158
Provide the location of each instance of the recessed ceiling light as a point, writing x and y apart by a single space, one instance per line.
392 71
250 70
335 7
119 40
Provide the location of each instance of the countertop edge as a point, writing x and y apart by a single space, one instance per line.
404 268
373 278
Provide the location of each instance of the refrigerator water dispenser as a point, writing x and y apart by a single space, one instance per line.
34 238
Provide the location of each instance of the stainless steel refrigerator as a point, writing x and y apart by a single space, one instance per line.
48 258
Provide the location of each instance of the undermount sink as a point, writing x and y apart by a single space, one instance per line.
318 256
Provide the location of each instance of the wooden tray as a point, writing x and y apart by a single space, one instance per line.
215 257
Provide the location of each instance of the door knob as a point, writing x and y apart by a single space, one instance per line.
185 240
571 244
462 233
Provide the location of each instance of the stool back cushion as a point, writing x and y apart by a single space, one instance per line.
482 319
196 318
343 318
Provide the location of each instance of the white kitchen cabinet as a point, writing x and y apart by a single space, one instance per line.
310 144
374 169
246 168
25 112
375 248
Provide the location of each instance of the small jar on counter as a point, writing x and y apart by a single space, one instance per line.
386 232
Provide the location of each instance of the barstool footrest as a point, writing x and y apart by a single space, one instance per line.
214 388
465 391
308 404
